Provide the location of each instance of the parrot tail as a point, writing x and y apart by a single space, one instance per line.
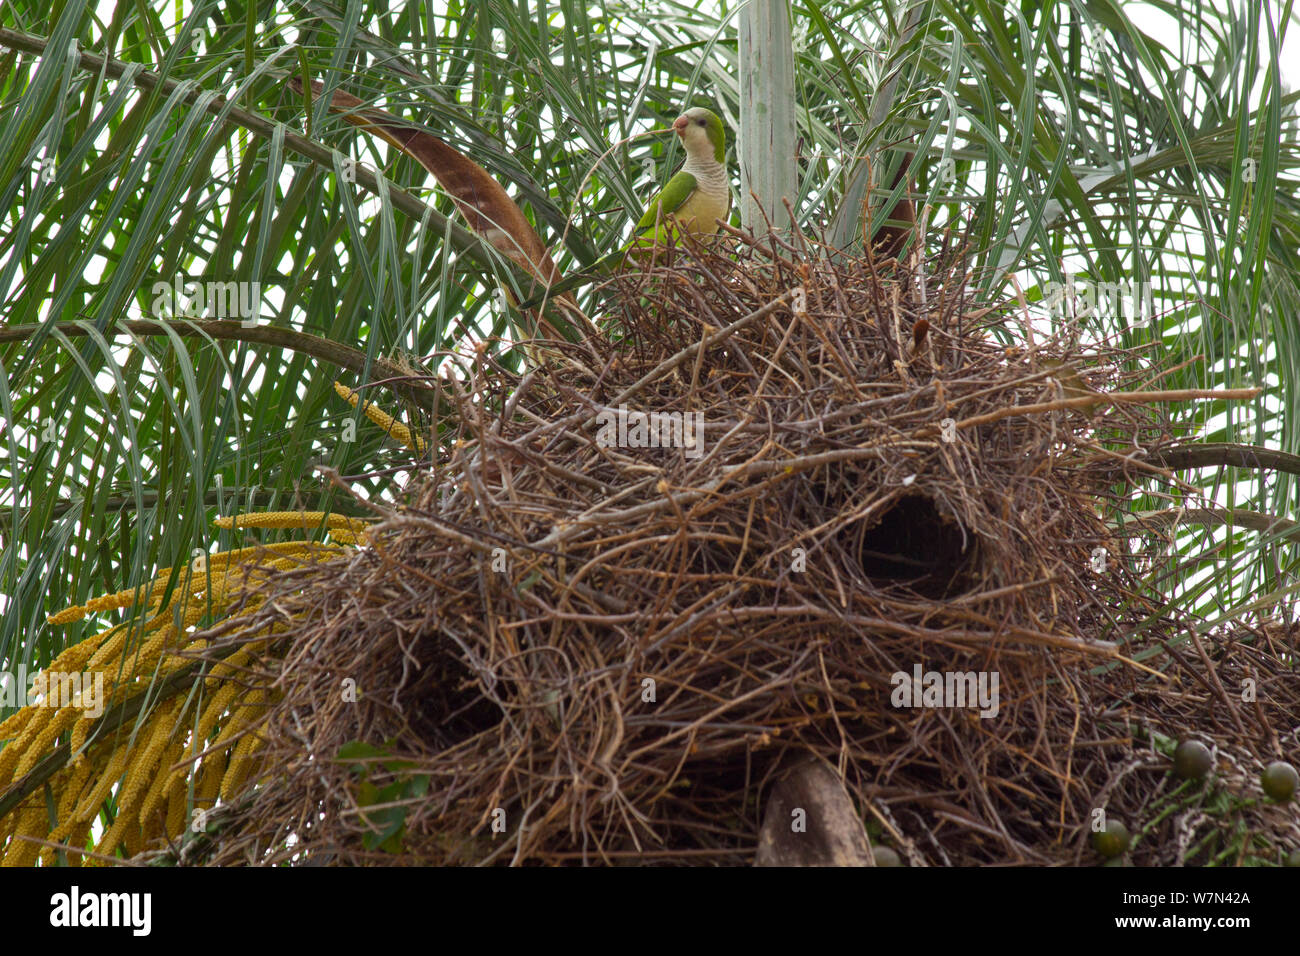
485 205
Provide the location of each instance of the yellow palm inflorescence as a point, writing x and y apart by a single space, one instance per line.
161 753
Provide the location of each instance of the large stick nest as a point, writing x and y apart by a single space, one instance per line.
608 651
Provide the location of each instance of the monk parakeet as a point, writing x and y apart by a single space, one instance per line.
700 192
697 196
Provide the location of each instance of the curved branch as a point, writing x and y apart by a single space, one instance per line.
428 394
1209 454
1228 453
1236 517
464 241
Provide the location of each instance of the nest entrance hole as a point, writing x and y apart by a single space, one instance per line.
914 544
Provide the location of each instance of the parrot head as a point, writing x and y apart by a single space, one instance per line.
702 133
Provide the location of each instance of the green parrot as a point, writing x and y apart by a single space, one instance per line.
697 196
699 193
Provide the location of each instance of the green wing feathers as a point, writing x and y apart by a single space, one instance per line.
669 200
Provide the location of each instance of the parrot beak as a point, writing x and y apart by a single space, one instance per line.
680 124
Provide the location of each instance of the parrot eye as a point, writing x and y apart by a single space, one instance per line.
701 122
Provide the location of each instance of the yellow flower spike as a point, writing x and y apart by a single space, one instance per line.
193 615
68 782
110 651
61 718
236 777
113 837
211 773
149 747
35 722
241 758
222 671
88 806
152 826
290 519
214 599
79 837
242 761
385 421
298 561
80 731
77 776
133 838
7 824
31 822
151 776
154 808
177 804
221 564
247 711
218 704
106 602
230 561
11 728
138 662
140 773
73 659
38 719
69 615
